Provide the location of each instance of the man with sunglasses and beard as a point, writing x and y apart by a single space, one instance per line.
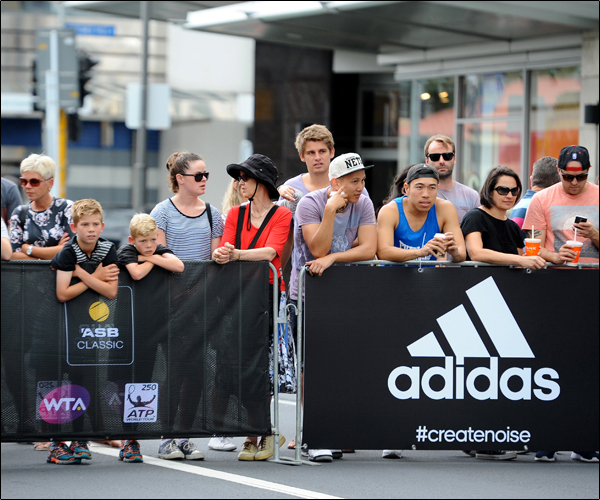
553 212
440 153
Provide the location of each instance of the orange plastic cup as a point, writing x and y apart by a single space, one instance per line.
532 246
576 246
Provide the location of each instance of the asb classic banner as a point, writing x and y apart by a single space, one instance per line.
94 367
451 358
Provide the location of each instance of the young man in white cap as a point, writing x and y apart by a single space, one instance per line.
328 222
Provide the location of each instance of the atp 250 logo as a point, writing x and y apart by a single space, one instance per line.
466 342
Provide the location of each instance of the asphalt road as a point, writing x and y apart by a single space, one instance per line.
420 474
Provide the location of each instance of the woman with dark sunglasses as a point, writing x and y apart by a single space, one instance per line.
257 231
192 229
40 229
490 235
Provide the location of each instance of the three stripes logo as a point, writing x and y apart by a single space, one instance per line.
466 342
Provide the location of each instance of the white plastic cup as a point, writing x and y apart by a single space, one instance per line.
440 236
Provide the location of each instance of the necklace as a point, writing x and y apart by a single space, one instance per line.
261 215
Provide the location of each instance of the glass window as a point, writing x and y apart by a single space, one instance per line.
487 145
493 95
437 111
554 115
382 114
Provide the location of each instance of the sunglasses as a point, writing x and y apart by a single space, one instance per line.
199 176
569 178
436 156
34 182
243 177
503 190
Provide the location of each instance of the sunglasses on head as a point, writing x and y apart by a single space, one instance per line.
199 176
243 177
436 156
503 190
569 177
34 182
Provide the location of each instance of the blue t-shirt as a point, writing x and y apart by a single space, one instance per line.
406 238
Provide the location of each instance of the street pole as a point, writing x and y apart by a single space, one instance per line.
138 186
53 110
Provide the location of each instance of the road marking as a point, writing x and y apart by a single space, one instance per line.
224 476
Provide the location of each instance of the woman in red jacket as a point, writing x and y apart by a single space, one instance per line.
256 231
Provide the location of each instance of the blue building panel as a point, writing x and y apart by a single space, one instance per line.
21 132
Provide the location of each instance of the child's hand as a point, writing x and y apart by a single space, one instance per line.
108 273
64 239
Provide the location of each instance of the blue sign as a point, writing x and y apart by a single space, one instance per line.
91 29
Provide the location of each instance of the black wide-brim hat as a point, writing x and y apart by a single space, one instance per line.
261 168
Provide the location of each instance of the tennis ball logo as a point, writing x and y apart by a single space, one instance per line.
99 311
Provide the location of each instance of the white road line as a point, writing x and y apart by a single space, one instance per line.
224 476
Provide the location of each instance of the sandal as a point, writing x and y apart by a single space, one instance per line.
292 445
41 446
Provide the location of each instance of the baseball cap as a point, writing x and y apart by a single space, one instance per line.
421 170
574 153
345 164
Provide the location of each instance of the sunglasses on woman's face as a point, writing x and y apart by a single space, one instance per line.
436 156
34 182
199 176
243 177
503 190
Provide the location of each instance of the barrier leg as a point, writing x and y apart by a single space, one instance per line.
297 460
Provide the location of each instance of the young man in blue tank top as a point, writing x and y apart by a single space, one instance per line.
407 226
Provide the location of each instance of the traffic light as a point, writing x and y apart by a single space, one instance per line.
86 63
35 88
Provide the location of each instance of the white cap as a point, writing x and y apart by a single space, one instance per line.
345 164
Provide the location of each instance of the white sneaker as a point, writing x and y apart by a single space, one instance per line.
320 456
391 454
221 443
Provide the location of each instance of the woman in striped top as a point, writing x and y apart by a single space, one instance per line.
186 227
183 224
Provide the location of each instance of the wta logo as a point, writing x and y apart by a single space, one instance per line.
466 342
64 404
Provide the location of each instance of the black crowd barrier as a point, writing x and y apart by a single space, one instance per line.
176 355
483 358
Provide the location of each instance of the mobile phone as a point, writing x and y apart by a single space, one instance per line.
580 218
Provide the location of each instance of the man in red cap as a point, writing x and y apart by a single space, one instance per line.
571 204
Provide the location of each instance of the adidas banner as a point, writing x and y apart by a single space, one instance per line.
486 358
178 355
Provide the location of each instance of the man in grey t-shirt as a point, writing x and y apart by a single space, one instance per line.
440 152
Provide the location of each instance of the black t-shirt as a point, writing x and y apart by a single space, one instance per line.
72 254
499 235
128 254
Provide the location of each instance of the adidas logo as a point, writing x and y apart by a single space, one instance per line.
466 342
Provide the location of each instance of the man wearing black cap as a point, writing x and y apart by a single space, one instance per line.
553 212
407 226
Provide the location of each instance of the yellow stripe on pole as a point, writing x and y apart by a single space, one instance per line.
62 155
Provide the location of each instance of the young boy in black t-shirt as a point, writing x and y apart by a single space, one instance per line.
144 252
86 261
139 257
